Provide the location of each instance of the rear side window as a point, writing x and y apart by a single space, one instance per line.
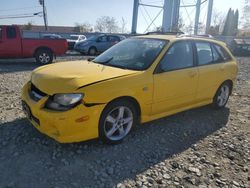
204 52
223 53
179 56
114 39
216 56
11 32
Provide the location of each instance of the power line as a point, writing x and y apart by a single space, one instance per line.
11 17
23 8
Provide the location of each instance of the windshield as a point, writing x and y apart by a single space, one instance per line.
74 37
135 53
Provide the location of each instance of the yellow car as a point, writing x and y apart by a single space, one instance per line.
138 80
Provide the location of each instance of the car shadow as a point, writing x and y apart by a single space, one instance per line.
28 157
17 65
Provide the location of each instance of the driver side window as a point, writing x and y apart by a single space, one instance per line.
179 56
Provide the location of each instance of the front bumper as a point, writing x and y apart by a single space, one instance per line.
75 125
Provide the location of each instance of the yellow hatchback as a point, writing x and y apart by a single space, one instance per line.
138 80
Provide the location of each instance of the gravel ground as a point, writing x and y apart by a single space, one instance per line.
197 148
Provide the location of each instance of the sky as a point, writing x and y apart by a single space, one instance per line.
70 12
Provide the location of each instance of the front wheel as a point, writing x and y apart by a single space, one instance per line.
116 122
44 56
92 51
222 95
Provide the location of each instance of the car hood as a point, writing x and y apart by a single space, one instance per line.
68 77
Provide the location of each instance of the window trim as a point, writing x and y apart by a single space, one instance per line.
211 44
157 69
223 48
11 38
113 36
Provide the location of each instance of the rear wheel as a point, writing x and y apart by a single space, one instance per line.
222 95
116 122
44 56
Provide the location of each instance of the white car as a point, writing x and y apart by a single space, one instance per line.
74 39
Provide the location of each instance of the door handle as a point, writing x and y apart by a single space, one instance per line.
192 74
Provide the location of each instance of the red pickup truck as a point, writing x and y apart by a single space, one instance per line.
12 45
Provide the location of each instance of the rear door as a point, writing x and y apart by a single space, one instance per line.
10 45
113 40
175 79
211 69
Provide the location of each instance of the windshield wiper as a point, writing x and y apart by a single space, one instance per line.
103 62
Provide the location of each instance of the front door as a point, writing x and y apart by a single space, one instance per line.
175 79
102 44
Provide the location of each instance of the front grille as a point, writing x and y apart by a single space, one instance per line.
35 93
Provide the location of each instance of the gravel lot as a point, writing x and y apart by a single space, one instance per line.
197 148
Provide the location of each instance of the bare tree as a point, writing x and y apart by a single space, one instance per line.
216 23
123 26
245 19
217 17
28 26
179 27
189 28
107 24
84 27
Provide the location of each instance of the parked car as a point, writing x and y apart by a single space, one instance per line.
241 47
51 36
97 44
12 45
75 39
140 79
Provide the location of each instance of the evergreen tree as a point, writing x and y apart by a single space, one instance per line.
231 23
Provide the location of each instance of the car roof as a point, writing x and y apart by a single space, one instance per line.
172 38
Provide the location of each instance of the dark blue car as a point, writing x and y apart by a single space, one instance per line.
97 44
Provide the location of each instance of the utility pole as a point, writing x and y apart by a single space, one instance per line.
209 15
197 16
135 16
42 3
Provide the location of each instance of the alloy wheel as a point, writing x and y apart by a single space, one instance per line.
118 123
223 95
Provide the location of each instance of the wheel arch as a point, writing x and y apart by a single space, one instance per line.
130 99
43 48
230 82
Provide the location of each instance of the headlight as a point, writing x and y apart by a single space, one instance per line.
63 102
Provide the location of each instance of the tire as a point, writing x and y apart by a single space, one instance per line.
92 51
117 121
222 95
44 56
